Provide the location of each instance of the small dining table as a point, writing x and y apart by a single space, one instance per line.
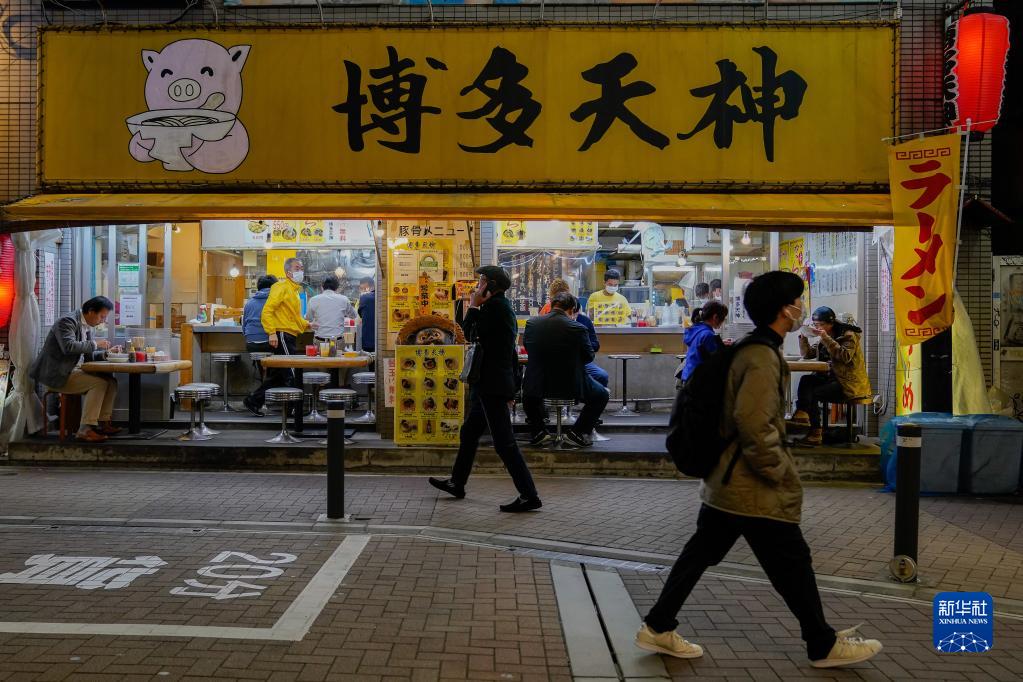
135 370
814 366
299 363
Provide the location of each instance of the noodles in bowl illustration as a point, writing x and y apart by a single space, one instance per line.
173 130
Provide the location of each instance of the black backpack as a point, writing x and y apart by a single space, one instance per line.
694 440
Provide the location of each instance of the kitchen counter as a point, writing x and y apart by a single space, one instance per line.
216 329
640 330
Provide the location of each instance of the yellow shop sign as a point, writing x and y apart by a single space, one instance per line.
468 107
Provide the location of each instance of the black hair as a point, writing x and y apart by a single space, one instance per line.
710 309
495 275
715 284
564 301
612 274
769 293
366 280
827 315
331 282
702 290
97 304
265 282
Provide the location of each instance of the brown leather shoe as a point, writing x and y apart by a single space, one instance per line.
90 436
108 429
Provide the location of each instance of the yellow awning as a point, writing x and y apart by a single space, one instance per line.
752 210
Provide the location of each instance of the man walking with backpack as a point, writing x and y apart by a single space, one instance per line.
751 488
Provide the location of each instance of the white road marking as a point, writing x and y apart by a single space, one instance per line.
292 626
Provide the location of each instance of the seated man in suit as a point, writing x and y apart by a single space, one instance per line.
57 367
559 350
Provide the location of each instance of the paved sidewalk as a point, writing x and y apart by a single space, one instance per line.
965 543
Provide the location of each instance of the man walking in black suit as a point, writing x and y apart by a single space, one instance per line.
559 350
490 321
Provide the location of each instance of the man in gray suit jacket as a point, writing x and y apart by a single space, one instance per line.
58 367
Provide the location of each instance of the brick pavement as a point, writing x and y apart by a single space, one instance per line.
965 543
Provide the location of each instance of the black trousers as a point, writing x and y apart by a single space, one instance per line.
594 402
491 411
814 389
275 377
782 553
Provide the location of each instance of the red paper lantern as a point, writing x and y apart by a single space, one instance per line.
6 279
976 48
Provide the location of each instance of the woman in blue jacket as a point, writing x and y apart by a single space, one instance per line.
700 339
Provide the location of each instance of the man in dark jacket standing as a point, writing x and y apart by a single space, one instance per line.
490 321
559 351
258 341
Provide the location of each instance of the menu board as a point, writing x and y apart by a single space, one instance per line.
609 314
429 398
463 261
418 281
286 233
548 234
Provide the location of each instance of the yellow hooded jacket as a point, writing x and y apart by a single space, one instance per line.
283 309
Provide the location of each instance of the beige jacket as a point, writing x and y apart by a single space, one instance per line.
847 363
764 482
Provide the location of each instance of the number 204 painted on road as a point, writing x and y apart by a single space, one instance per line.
237 575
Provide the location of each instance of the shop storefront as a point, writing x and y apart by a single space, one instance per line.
677 155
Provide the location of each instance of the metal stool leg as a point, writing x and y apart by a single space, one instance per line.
192 434
284 436
625 411
559 438
202 429
227 406
370 416
314 415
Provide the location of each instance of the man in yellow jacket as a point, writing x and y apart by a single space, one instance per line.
283 322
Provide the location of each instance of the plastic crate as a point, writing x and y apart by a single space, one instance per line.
992 464
944 440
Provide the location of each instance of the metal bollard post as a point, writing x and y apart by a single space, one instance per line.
335 459
903 565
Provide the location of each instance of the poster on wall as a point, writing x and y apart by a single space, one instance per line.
792 258
127 274
463 242
257 233
428 394
49 289
419 281
131 309
389 382
546 234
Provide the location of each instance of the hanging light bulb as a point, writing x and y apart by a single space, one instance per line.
234 272
340 272
746 239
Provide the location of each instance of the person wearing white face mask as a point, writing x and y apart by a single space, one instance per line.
608 297
282 319
754 491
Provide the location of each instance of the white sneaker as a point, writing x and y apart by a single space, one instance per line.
667 643
849 649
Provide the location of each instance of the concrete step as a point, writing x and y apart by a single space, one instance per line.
630 455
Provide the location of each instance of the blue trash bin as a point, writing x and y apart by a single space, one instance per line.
944 439
992 460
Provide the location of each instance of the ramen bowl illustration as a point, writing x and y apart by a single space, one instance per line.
174 130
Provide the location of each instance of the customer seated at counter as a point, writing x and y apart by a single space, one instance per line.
256 338
559 350
367 313
608 297
57 367
326 312
701 339
593 370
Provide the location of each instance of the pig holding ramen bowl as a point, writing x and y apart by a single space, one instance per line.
193 91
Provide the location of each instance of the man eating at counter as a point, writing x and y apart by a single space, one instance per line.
607 304
326 312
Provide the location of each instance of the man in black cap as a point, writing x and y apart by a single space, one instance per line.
490 322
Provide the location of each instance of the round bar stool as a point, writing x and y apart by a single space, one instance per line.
202 428
257 362
347 396
194 394
312 382
625 411
368 379
284 398
558 404
226 359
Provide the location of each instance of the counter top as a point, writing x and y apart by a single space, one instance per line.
210 329
640 330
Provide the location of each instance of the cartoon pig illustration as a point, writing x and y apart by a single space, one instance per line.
193 91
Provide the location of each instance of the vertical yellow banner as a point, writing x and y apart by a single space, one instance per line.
908 379
924 175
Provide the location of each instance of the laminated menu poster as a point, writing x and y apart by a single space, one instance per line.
429 398
420 281
609 314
